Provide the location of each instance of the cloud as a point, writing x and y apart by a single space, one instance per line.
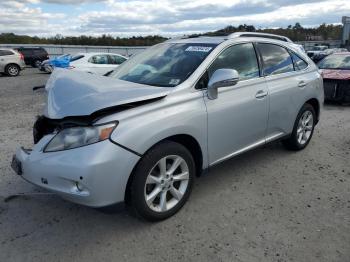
71 2
16 16
171 17
166 17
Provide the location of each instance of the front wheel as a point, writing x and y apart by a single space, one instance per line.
162 181
303 129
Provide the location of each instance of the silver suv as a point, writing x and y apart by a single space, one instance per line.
11 62
143 133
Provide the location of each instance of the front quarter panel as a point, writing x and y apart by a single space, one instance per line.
181 113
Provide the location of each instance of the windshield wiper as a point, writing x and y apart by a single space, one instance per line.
155 84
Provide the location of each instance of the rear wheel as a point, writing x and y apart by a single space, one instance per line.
12 70
162 181
303 129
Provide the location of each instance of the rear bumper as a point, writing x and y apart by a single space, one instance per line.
94 175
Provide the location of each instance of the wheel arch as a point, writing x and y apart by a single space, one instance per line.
12 63
189 142
316 105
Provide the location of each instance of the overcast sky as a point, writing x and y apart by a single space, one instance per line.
164 17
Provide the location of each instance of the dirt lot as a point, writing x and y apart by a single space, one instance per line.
266 205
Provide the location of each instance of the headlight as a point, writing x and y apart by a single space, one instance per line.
79 136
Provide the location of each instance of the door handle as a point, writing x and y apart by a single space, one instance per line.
261 94
302 84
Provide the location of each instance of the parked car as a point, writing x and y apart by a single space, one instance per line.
96 63
315 51
62 61
336 77
320 55
11 62
33 56
165 115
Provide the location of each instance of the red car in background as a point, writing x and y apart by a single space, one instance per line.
336 77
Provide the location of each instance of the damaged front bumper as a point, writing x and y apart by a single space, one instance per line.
95 175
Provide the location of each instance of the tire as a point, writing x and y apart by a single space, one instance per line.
48 69
303 129
36 64
12 70
149 182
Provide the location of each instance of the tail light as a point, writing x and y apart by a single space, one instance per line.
21 56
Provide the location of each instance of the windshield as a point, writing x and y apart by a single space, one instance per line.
335 62
166 65
76 57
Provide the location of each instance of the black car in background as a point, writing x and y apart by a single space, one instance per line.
33 55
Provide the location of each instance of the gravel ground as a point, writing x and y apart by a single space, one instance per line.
266 205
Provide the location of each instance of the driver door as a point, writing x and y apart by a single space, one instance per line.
237 118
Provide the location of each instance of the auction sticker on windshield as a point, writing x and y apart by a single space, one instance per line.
204 49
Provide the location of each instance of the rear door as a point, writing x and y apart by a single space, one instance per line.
6 57
237 118
99 64
283 85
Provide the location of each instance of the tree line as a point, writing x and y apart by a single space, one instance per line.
294 32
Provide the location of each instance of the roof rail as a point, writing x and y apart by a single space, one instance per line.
264 35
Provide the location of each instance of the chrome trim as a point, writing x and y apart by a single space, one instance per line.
244 149
247 148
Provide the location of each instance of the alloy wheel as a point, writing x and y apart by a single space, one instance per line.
305 127
13 70
166 183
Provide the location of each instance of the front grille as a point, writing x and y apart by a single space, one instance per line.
336 90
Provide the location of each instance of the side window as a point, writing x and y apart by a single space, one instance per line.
38 51
5 52
276 59
299 63
99 59
116 60
240 57
26 52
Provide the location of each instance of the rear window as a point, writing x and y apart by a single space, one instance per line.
299 63
276 59
6 52
25 51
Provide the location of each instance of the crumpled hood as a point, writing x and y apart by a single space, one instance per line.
72 93
336 74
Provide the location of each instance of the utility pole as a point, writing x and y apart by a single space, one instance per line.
346 30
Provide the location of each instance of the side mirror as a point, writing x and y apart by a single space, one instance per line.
221 78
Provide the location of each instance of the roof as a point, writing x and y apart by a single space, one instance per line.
237 35
97 53
200 39
341 53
